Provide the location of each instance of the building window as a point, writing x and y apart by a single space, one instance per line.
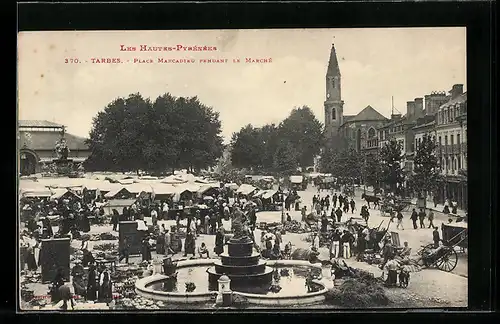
458 162
334 114
451 139
449 165
440 143
371 133
443 166
416 144
458 139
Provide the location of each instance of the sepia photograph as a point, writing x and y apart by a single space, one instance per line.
164 170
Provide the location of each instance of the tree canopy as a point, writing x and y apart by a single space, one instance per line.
390 158
294 142
426 175
341 163
170 133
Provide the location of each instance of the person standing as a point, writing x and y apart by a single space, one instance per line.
345 241
189 244
334 200
168 243
160 242
353 205
431 218
339 214
335 246
105 288
421 217
400 221
435 237
146 249
414 217
219 242
115 219
154 215
315 242
165 210
124 253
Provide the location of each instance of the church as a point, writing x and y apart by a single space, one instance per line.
352 130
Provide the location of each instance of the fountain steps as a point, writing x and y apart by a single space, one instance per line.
220 267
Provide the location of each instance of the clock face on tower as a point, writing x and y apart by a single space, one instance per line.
327 96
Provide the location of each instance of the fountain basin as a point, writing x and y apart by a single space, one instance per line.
148 287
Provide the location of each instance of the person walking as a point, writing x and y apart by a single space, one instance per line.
400 221
414 217
431 218
421 217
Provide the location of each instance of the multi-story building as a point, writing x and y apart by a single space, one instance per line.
37 140
451 134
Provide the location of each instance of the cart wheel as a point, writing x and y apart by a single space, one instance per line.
449 261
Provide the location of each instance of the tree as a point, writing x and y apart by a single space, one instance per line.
426 175
391 158
246 148
304 132
285 158
136 134
371 169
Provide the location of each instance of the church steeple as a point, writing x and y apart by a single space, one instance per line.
334 106
333 64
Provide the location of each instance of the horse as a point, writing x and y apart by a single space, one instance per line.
375 200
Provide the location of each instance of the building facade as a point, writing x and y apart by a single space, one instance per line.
36 143
451 134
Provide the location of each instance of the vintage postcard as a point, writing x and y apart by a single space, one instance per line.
242 169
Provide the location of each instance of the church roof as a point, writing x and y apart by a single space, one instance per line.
333 64
369 113
38 123
348 118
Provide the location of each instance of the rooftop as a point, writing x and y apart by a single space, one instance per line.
47 140
460 99
38 123
367 114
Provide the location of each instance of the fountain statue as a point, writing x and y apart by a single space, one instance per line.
62 165
241 263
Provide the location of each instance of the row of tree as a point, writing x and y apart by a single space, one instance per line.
384 168
279 148
169 133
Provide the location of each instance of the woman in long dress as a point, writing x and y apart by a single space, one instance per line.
92 284
189 245
219 243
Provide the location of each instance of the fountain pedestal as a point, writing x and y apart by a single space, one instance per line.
242 265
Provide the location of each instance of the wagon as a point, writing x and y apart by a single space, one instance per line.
445 257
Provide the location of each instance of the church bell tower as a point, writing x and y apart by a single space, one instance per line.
334 106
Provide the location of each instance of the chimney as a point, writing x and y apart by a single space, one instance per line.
456 90
419 107
410 109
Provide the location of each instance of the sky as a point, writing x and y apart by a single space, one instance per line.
375 64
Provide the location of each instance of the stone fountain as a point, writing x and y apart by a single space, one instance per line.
241 263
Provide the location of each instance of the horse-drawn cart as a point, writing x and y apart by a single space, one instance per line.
391 204
445 257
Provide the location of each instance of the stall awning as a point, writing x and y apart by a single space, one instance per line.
36 193
296 179
163 189
120 203
137 188
246 189
268 194
113 193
